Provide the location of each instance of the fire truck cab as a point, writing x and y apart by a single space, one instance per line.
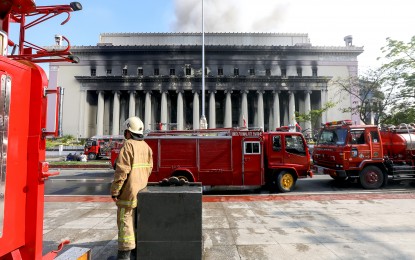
229 157
365 153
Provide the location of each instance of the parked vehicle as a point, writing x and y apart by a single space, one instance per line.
229 157
100 145
365 152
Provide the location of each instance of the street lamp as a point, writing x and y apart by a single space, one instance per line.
203 121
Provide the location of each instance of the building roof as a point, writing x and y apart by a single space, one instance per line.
226 39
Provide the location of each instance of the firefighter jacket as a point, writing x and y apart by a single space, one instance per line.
133 167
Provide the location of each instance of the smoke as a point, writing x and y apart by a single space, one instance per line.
229 15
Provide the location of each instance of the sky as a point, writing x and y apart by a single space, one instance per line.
326 22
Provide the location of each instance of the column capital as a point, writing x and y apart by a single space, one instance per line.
276 91
164 91
195 91
179 91
292 91
244 91
212 91
307 91
230 91
132 92
116 92
100 91
260 91
147 92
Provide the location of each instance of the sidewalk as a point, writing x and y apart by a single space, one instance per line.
261 227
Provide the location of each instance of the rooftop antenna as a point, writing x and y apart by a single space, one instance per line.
203 121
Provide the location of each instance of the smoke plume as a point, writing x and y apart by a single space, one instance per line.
229 15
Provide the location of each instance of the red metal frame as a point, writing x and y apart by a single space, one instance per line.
25 170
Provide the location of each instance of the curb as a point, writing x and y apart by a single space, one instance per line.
81 166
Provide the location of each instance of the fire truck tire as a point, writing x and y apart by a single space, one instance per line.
371 177
285 181
92 156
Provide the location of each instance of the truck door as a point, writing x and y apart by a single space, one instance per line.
294 147
360 147
376 145
252 162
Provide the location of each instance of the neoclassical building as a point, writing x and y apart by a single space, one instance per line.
257 79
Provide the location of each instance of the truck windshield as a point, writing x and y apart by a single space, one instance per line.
335 136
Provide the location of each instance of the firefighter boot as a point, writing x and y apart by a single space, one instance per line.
123 255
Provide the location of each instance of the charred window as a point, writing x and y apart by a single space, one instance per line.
252 72
220 71
267 72
299 72
140 71
124 72
172 72
314 72
93 72
252 147
236 72
109 72
294 144
156 71
276 143
283 72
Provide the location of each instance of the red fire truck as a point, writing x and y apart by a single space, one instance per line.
229 157
100 145
365 152
23 106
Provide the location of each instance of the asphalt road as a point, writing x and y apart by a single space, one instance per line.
97 182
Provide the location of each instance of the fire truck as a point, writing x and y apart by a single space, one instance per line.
100 145
23 106
229 157
365 153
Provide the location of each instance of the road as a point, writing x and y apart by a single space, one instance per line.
81 182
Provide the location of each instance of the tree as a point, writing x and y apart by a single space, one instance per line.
400 58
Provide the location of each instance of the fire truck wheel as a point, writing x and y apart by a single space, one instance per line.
371 177
92 156
286 181
183 176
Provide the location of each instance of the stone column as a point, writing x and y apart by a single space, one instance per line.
147 111
323 103
291 108
196 112
307 110
116 114
261 123
228 109
212 109
100 113
163 116
244 110
82 114
276 110
131 104
180 111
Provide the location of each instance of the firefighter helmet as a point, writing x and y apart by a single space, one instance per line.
134 125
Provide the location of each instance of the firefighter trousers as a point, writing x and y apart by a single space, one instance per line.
126 230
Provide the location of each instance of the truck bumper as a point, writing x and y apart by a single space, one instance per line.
331 172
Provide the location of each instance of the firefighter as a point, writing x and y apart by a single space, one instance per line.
133 167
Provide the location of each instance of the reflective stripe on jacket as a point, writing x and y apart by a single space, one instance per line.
134 166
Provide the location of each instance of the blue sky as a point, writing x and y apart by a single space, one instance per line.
326 21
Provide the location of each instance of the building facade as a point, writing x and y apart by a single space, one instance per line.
251 79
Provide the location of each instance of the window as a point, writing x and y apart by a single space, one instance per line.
252 147
299 72
220 71
93 72
333 136
276 143
109 72
283 72
358 136
375 136
252 72
236 72
314 72
188 71
294 144
206 71
172 72
140 71
267 72
124 72
156 72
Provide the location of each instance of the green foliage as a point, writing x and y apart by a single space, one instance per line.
64 140
314 114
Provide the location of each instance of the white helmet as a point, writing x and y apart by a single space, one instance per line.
134 125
